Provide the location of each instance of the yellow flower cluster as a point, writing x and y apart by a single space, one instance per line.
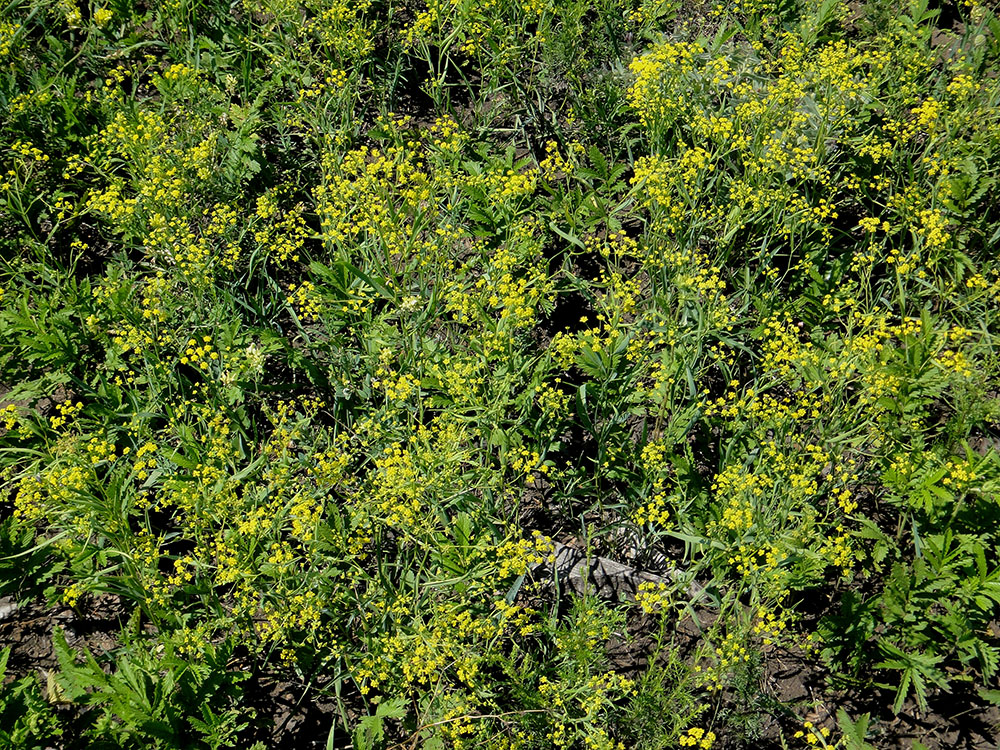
697 737
68 411
341 28
554 166
333 83
446 135
654 513
305 301
728 655
522 619
552 401
811 734
99 450
28 101
514 558
154 308
8 36
199 354
660 94
838 551
145 459
524 461
770 625
750 560
54 489
281 233
653 597
10 415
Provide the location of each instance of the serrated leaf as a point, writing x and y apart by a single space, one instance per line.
901 692
989 659
392 709
993 696
855 732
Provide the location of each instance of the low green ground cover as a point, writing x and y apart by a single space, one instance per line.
323 322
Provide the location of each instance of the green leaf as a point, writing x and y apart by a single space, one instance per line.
598 160
902 691
462 529
569 236
76 680
370 730
374 283
854 732
993 696
392 709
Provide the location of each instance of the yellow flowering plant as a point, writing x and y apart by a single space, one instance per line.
514 374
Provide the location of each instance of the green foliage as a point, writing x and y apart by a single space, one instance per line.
855 732
371 729
324 322
26 718
153 700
